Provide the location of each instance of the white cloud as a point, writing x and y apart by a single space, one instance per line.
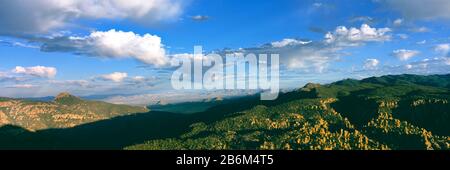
403 36
310 58
138 78
316 56
44 15
442 48
363 19
142 81
200 18
371 64
422 42
420 29
288 42
420 9
6 77
115 77
434 65
398 22
112 44
22 86
77 83
408 66
305 57
403 54
344 36
426 66
38 71
447 61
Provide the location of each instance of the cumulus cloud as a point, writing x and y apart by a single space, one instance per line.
344 36
447 61
44 15
306 57
303 55
420 9
371 64
426 66
310 58
115 77
7 77
316 56
38 71
429 66
288 41
398 22
403 54
442 48
112 44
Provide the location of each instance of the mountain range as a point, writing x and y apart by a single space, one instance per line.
389 112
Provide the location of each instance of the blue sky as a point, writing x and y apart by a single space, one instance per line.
93 48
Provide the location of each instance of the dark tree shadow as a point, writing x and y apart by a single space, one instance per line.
357 107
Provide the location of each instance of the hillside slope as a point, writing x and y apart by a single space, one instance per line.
63 112
389 112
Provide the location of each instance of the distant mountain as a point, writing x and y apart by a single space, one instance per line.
40 99
405 79
89 97
191 107
64 111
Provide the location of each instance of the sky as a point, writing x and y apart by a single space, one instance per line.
123 49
